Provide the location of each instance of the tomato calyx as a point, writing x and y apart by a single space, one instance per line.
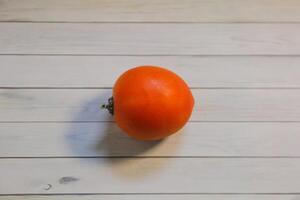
109 106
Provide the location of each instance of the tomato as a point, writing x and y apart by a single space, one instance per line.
151 103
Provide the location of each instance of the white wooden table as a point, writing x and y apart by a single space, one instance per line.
60 58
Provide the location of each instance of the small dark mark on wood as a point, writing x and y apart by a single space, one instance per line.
67 179
49 186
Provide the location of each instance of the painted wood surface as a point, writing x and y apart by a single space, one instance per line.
149 175
198 71
149 39
150 11
153 196
107 140
75 105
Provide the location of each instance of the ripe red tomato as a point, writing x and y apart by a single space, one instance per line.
151 103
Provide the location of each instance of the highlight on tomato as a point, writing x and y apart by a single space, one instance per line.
150 102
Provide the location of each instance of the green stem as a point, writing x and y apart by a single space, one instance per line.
109 106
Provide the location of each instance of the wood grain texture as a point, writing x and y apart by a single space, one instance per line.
107 140
150 11
150 39
102 71
153 197
149 175
210 105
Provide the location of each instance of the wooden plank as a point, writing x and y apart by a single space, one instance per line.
149 175
150 11
151 197
150 39
102 71
107 140
210 105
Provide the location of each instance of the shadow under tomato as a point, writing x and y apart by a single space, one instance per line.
109 145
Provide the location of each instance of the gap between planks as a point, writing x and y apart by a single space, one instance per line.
193 88
153 157
155 193
149 22
151 196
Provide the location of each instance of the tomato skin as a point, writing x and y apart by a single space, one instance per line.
151 103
